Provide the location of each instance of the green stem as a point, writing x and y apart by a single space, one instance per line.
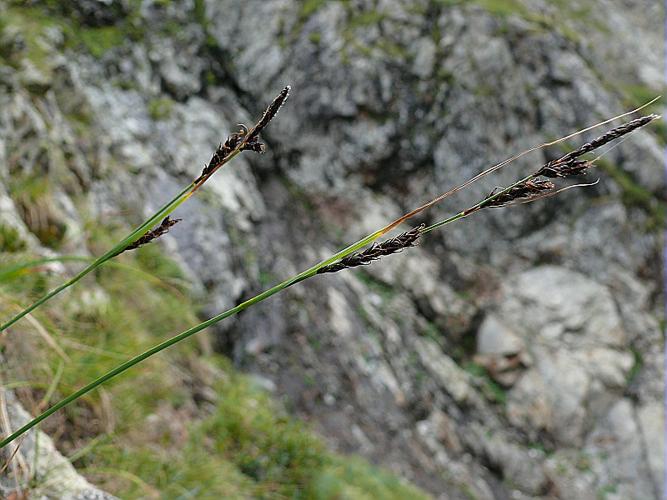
16 269
308 273
477 206
188 333
168 208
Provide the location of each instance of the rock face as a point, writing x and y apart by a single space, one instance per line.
517 354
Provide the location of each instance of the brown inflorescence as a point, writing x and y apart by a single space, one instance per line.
270 113
568 165
375 251
154 234
528 190
613 134
569 169
244 139
524 191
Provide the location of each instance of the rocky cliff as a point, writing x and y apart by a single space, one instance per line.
516 354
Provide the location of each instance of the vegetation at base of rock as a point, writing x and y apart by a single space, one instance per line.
35 18
98 41
635 195
490 388
636 366
34 199
10 240
183 424
640 94
160 108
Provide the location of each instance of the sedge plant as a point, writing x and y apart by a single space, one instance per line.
244 140
534 186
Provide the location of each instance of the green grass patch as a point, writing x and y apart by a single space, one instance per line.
241 444
637 365
310 7
635 195
365 18
98 41
490 387
503 7
31 24
431 331
160 108
607 491
10 240
384 290
637 95
34 20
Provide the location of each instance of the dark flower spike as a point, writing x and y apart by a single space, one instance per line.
613 134
569 169
557 191
567 165
341 259
375 251
524 191
243 140
270 113
223 152
154 234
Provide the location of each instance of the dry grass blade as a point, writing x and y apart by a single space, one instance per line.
50 391
6 427
504 163
11 457
50 341
42 332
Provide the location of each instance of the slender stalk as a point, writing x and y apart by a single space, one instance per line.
477 206
187 333
308 273
167 209
235 144
17 268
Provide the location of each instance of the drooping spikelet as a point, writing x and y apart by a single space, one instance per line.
244 139
153 234
525 191
375 251
568 165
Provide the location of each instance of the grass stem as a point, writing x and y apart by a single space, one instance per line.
312 271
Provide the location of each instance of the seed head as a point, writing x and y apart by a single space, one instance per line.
271 112
605 138
375 251
244 139
573 167
524 191
154 234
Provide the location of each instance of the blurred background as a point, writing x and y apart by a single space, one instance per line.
515 354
